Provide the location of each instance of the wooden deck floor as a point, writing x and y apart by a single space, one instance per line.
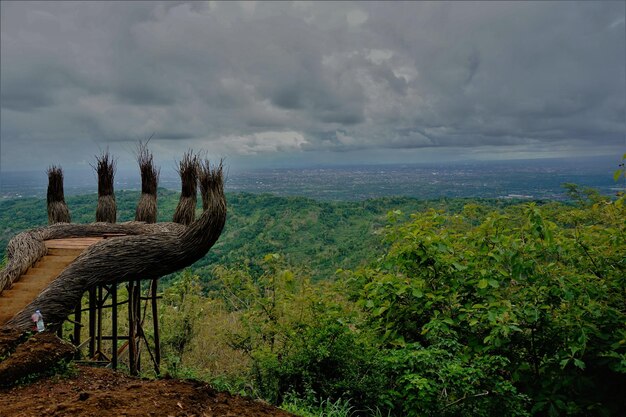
61 253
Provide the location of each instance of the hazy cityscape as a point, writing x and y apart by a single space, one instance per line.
529 179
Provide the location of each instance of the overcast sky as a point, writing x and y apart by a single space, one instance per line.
269 84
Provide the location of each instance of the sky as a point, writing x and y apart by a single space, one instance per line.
271 84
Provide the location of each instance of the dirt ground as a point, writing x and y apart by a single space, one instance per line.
103 392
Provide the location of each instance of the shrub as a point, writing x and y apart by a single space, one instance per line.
543 302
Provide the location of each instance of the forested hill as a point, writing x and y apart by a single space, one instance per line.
508 308
317 236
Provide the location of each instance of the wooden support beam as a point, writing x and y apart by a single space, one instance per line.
110 305
98 342
155 324
138 329
145 339
123 348
82 345
99 325
77 324
132 346
92 322
119 337
114 325
148 298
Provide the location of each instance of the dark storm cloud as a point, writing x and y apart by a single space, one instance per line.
246 78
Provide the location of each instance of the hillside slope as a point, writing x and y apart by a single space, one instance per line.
319 236
102 392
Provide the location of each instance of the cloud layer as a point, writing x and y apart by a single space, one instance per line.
278 78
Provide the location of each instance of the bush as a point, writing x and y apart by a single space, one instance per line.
302 339
543 302
443 379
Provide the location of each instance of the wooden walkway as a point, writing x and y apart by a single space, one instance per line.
61 253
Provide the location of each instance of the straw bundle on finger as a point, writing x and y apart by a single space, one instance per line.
107 209
58 212
207 176
57 209
188 170
147 207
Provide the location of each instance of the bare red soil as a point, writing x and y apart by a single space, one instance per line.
103 392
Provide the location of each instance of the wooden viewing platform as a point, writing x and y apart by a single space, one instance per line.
61 253
51 270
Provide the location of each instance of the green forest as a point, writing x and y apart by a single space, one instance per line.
322 236
398 306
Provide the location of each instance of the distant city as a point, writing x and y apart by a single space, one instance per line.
528 179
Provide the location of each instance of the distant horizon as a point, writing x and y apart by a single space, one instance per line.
535 178
171 165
